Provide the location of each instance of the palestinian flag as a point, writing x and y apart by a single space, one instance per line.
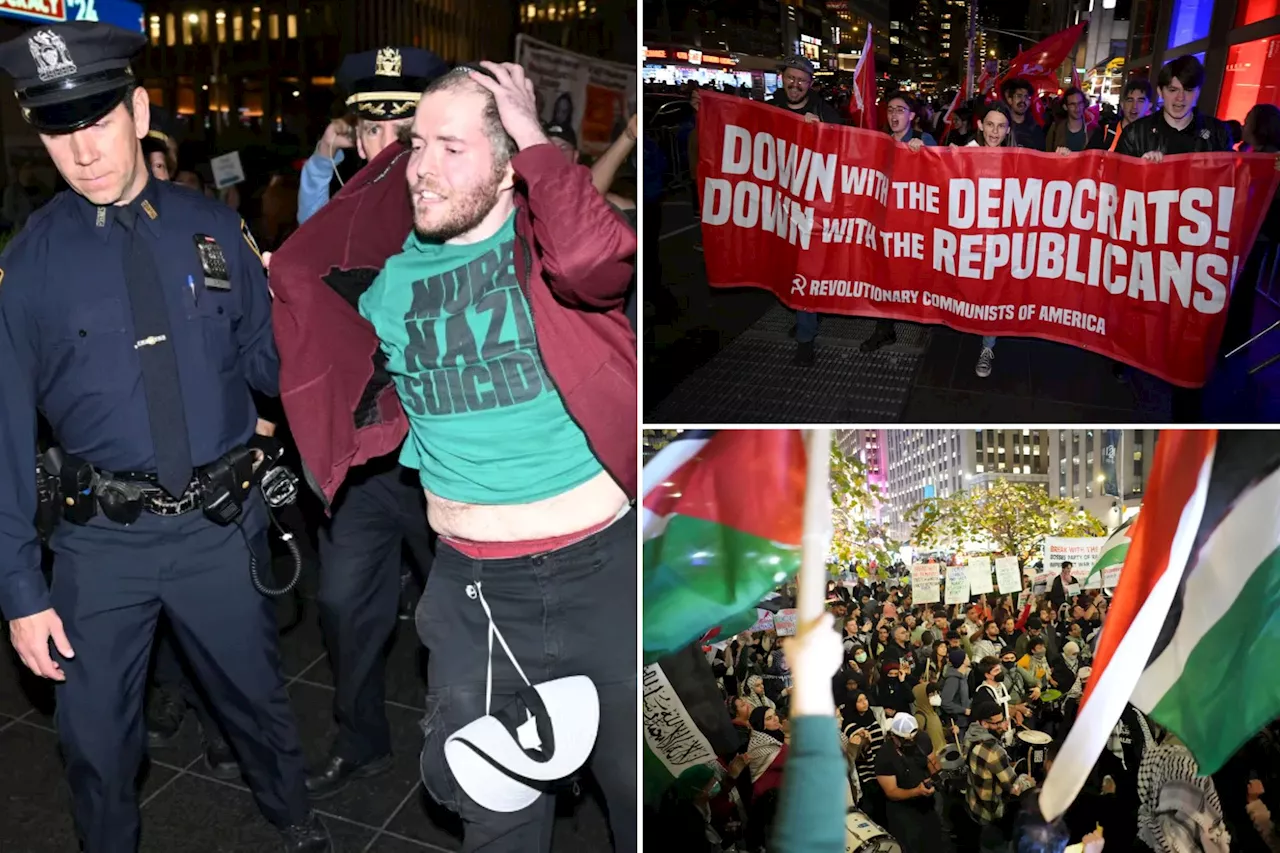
1191 637
723 513
684 719
1114 551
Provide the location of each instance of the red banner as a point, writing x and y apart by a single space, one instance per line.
1130 259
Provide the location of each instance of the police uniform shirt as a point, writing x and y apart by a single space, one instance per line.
67 348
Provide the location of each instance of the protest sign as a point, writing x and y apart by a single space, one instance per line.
1024 598
1082 551
957 584
784 622
227 170
593 97
1007 577
1111 577
669 731
925 587
1131 260
979 575
764 621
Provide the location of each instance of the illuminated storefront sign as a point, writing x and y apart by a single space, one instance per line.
121 13
691 56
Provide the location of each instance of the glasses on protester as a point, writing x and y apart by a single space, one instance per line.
897 111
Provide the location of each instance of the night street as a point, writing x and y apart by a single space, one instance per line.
728 359
184 810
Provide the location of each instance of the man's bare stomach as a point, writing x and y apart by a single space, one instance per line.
594 502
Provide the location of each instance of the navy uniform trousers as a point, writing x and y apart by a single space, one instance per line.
110 584
380 509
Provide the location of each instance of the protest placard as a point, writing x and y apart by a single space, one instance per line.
1081 551
1092 250
979 575
227 170
925 583
592 96
957 584
784 622
1007 577
764 621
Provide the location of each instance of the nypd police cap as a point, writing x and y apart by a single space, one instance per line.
68 76
386 84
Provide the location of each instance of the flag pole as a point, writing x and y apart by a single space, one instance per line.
815 542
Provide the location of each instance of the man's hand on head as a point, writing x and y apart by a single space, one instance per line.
517 106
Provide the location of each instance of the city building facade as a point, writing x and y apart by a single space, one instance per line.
1237 40
1104 471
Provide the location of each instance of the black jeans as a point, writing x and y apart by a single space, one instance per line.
380 509
567 612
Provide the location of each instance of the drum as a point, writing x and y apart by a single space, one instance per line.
864 836
950 776
1037 749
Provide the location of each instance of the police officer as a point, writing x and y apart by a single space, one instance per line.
135 315
383 87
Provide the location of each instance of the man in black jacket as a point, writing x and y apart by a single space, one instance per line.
1178 128
796 94
1135 103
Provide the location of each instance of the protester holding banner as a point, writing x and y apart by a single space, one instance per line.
1135 102
797 95
1178 128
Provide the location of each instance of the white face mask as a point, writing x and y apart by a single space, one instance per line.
935 700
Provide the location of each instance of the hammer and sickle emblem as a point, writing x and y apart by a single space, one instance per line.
798 284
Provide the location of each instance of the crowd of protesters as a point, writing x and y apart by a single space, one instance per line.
948 719
1156 118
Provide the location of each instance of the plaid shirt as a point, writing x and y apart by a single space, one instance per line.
990 780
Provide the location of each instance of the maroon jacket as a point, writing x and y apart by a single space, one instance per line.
573 259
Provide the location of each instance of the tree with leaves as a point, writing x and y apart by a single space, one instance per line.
1014 517
856 540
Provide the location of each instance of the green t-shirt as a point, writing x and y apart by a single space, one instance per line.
486 424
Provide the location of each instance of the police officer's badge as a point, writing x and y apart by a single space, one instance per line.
50 53
389 63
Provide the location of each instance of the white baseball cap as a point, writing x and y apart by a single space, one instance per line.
504 759
904 724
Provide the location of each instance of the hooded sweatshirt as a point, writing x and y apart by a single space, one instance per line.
928 719
955 695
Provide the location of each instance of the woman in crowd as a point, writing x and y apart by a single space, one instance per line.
928 704
766 751
993 678
895 691
756 695
685 811
864 733
937 663
994 132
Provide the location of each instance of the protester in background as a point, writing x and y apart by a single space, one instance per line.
864 732
895 692
991 779
156 151
1135 103
927 706
1070 133
903 769
955 689
1026 131
25 197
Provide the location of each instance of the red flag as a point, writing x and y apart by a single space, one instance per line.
1038 64
1075 78
959 99
862 106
